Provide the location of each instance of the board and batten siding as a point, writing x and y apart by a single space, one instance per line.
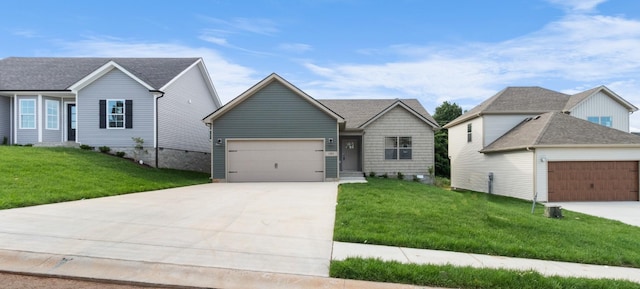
398 122
27 136
496 126
602 105
5 118
274 112
114 85
575 154
51 135
181 109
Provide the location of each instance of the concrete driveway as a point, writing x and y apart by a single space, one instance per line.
626 212
267 227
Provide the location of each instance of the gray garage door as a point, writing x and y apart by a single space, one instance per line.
275 161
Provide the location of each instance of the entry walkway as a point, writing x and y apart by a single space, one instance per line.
342 251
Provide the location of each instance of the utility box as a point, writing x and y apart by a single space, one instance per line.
551 211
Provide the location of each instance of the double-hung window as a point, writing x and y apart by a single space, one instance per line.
397 148
27 114
115 113
469 133
53 114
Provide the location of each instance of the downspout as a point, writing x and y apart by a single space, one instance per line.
158 94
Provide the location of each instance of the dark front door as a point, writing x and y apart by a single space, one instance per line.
71 122
349 153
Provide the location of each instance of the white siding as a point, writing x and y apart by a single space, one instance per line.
497 125
114 85
602 105
513 171
576 154
181 109
398 122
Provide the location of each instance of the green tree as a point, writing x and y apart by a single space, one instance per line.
444 114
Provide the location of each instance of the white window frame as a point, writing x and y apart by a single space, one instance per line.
601 120
109 114
23 114
398 148
56 125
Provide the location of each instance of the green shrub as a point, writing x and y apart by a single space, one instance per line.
415 178
86 147
5 141
104 149
372 174
120 154
385 176
400 176
28 145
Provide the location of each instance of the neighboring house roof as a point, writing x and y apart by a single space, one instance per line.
358 113
61 73
556 129
261 84
534 100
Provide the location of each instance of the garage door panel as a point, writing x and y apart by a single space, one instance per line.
593 181
275 160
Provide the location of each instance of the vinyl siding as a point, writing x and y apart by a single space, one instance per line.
114 85
27 136
496 126
181 109
602 105
576 154
5 118
513 171
51 135
274 112
398 122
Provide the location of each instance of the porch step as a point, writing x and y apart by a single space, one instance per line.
351 174
352 177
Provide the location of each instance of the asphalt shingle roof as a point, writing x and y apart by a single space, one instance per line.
558 129
59 73
357 112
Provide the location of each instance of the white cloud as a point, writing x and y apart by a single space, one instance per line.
577 49
295 47
214 40
261 26
230 79
577 6
27 33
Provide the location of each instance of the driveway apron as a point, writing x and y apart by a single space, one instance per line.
626 212
269 227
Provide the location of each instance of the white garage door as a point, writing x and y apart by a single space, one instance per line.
275 161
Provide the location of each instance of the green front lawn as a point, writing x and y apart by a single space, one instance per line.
33 175
407 214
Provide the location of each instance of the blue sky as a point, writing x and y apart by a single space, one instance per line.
462 51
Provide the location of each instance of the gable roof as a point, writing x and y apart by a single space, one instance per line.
263 83
358 113
534 100
556 129
61 73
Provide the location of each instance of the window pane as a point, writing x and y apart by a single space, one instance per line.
606 121
390 154
115 113
405 154
405 142
391 142
593 119
27 113
52 114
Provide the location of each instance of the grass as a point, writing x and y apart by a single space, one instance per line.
408 214
462 277
35 175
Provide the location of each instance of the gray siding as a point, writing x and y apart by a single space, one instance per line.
114 85
274 112
5 118
51 135
181 109
27 136
398 122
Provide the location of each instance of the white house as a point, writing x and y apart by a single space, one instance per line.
531 142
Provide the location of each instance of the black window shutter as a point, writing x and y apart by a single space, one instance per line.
103 113
128 113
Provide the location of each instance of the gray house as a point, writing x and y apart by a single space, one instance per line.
108 102
276 132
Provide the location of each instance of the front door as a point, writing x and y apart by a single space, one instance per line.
71 122
349 151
